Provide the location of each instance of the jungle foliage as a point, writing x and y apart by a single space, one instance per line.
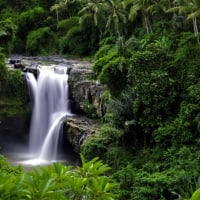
13 96
57 181
147 54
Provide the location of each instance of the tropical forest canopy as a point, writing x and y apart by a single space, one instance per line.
147 54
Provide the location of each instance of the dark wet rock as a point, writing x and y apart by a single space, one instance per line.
85 90
77 129
16 63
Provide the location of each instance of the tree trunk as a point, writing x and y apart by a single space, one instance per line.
196 32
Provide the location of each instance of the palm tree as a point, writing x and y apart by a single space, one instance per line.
56 8
194 6
116 15
157 6
107 15
93 10
60 4
189 8
93 7
140 6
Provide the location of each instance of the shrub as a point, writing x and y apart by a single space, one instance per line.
28 21
185 127
125 178
7 169
64 25
97 145
73 42
112 71
59 182
117 157
94 146
40 41
186 60
155 100
15 84
31 19
196 195
7 34
118 109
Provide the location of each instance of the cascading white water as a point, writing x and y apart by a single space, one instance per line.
50 107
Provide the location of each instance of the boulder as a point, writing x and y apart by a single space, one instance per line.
77 128
17 63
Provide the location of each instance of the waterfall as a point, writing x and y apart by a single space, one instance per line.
50 108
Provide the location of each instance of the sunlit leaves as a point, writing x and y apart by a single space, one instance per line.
59 182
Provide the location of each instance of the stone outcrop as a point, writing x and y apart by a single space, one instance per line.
85 91
86 94
77 129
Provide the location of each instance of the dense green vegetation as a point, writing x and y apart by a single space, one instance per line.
56 182
147 53
13 96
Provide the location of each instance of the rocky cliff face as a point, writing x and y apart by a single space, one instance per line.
86 92
77 129
86 95
14 112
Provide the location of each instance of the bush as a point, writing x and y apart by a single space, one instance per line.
196 195
28 21
73 42
31 19
112 71
118 109
94 146
7 169
58 182
41 41
7 34
185 127
117 157
98 144
15 84
64 25
186 60
77 38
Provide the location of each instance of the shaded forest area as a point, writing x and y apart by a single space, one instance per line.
147 53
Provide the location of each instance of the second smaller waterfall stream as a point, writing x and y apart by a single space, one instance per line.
50 107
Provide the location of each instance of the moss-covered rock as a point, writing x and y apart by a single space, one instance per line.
85 91
77 129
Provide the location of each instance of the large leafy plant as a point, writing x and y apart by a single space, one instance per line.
88 181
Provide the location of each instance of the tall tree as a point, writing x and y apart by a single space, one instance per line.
140 6
61 5
56 7
92 7
116 15
7 34
194 6
190 9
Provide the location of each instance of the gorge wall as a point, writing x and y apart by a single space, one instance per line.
86 101
85 91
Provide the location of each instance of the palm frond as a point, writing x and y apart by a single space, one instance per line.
133 12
